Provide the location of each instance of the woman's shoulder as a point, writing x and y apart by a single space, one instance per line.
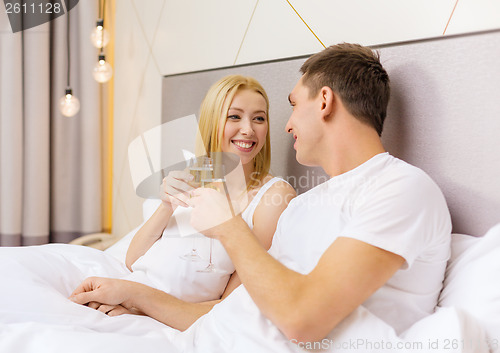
270 180
275 185
274 196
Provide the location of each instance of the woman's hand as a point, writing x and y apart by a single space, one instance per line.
175 188
113 310
117 296
107 295
211 210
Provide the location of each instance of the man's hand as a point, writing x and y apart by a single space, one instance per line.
211 210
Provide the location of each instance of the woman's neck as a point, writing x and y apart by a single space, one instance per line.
248 170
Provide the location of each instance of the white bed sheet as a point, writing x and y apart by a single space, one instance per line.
222 331
36 316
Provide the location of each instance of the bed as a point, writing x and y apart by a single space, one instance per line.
444 117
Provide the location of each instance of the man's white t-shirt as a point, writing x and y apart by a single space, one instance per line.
384 202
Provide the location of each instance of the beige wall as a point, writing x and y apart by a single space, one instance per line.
161 37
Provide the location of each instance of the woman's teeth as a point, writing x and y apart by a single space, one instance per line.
243 144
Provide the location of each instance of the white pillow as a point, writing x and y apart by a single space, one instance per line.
472 280
119 249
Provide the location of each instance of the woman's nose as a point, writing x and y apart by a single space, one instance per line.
246 128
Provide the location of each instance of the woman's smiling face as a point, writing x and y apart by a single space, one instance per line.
246 125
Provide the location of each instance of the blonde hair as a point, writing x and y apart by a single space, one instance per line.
213 113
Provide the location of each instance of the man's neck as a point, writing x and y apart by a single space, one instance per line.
357 144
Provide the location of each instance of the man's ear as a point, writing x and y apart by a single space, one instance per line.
328 101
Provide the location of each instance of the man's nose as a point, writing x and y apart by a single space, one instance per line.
288 127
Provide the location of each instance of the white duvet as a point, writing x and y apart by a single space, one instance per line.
36 316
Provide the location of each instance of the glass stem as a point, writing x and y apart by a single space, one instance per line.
210 256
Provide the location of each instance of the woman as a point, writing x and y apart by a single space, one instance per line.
233 119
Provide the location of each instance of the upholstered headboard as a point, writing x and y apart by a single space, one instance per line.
444 117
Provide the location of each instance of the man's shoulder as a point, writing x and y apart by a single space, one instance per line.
405 182
398 170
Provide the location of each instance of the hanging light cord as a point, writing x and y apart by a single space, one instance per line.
102 9
68 48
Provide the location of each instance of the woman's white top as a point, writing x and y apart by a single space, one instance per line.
163 268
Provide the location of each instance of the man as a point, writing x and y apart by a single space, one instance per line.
377 233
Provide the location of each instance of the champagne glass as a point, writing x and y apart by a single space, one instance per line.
215 180
197 167
193 254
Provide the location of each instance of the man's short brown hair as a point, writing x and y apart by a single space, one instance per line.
354 73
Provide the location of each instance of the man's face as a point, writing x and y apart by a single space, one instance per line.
304 124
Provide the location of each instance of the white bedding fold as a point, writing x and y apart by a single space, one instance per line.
447 330
37 317
35 337
37 281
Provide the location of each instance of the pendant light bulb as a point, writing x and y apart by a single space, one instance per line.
102 70
69 105
99 36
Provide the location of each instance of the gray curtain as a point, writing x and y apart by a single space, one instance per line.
50 165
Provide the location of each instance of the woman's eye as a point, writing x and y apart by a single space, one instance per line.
233 117
260 118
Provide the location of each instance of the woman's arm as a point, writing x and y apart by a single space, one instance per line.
268 211
110 295
116 297
173 193
148 234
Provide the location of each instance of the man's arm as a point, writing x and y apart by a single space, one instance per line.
307 307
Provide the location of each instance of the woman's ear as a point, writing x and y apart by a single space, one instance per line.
327 97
